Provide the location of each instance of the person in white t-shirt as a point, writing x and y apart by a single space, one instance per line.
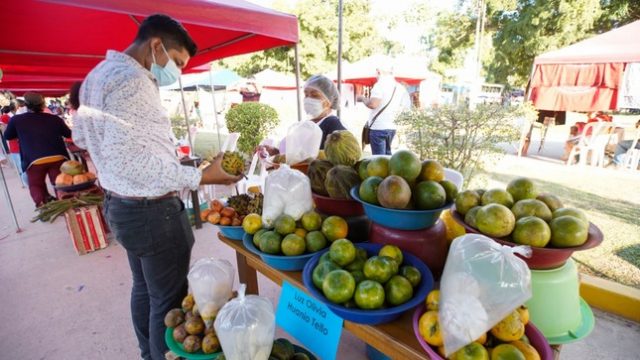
388 99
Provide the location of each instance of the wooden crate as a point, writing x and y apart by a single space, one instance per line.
87 229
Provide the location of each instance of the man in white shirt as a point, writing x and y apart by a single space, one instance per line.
388 99
122 124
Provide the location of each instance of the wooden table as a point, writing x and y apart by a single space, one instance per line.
395 339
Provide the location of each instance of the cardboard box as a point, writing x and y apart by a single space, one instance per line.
86 228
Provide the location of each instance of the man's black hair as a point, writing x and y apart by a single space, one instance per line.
12 106
172 33
74 95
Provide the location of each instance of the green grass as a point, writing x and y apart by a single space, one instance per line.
618 257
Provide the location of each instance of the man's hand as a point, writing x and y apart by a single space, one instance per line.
265 151
213 174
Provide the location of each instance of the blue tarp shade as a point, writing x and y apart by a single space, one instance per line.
221 79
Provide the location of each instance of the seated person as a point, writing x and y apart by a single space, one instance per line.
321 97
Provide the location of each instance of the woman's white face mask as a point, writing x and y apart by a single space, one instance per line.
313 107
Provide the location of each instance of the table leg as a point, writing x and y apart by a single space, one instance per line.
247 275
196 208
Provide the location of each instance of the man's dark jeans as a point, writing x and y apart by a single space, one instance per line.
380 141
158 239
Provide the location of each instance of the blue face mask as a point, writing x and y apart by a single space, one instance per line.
168 74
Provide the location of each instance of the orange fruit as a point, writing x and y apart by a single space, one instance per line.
429 328
270 242
510 328
311 221
412 274
300 232
378 269
342 252
285 225
256 237
293 245
495 220
506 352
552 201
497 196
532 231
321 270
378 166
334 228
429 195
398 290
338 286
369 295
433 300
466 200
522 188
431 170
450 189
571 212
529 352
568 231
252 223
531 207
315 241
393 252
472 351
523 310
453 229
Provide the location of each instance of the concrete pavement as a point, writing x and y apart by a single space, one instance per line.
57 305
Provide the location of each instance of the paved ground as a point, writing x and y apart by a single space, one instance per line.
57 305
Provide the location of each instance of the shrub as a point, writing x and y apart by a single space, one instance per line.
178 126
253 121
460 138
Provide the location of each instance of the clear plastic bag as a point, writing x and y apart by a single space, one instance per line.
211 282
303 141
246 327
287 191
481 284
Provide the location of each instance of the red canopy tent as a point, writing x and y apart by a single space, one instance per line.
585 76
53 43
408 70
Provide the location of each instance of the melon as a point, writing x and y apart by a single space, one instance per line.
394 192
340 179
342 148
317 174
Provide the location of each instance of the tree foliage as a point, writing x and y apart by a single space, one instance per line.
254 121
318 45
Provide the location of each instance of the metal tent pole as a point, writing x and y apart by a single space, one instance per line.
215 110
186 114
9 202
340 53
298 83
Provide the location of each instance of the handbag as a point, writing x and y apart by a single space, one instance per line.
367 126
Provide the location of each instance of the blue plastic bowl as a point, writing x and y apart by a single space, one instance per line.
372 317
399 219
279 262
232 232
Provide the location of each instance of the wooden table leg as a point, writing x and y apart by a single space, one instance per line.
195 201
247 275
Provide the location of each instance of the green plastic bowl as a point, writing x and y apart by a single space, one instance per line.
178 349
556 307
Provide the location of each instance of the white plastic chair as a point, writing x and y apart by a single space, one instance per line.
454 176
254 179
631 159
592 147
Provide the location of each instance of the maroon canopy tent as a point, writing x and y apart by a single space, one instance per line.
53 43
585 76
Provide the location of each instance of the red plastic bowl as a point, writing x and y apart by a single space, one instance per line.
338 207
541 258
534 335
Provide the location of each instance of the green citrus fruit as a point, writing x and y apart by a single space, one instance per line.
471 351
480 192
571 212
495 220
429 195
311 221
293 245
378 269
342 252
252 223
356 264
256 237
393 252
412 274
315 241
470 217
395 266
285 225
338 286
405 164
378 166
398 290
368 190
552 201
531 230
334 228
506 352
361 254
531 207
466 200
362 169
450 189
358 276
497 196
431 170
270 242
568 231
369 295
325 257
321 270
522 188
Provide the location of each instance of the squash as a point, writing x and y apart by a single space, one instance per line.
80 179
64 180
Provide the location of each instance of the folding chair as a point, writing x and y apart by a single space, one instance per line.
592 144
